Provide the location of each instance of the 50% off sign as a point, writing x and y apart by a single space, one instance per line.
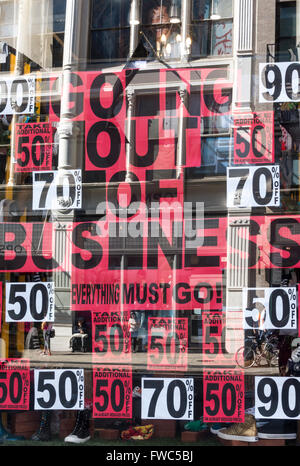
14 384
223 395
112 392
59 389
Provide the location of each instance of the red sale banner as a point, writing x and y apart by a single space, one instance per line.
167 343
34 147
29 247
111 336
15 384
223 396
94 247
112 389
137 133
185 270
254 138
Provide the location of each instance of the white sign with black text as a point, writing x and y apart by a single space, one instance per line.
279 82
59 389
29 302
167 398
17 95
50 190
253 186
277 397
270 308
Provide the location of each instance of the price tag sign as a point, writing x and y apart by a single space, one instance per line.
14 384
29 302
168 398
270 308
277 397
167 343
17 95
112 392
223 395
34 143
254 138
51 192
279 82
59 389
111 336
253 186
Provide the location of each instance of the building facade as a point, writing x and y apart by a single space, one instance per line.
150 191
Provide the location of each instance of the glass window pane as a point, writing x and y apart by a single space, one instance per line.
200 34
201 9
110 13
222 8
222 38
59 13
110 45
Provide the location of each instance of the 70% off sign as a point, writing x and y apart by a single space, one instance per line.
167 398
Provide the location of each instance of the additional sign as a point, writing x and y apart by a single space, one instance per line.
253 186
29 302
59 389
112 392
14 384
167 343
277 397
168 398
17 95
50 191
217 350
223 396
111 336
253 138
270 308
279 82
34 146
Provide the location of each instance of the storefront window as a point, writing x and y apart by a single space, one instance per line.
149 223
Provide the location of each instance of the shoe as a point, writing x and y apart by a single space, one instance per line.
6 436
278 429
196 426
214 429
244 432
80 433
44 431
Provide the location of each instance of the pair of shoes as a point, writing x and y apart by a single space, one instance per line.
80 433
278 429
244 432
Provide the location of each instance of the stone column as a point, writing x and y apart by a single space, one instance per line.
75 52
243 54
239 219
